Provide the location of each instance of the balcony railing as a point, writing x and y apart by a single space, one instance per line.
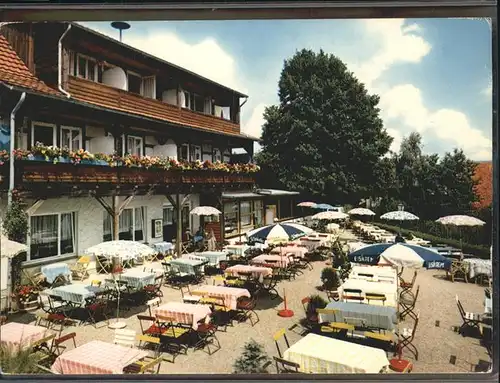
109 97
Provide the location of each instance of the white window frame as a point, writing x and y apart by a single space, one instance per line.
88 60
141 87
169 207
59 214
72 128
214 159
193 150
144 228
46 124
188 152
125 148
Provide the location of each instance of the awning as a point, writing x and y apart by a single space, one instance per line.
276 192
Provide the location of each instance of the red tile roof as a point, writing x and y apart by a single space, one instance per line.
14 72
484 189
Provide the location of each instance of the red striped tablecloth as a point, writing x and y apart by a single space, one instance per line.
230 295
281 260
185 313
14 334
297 251
97 357
256 271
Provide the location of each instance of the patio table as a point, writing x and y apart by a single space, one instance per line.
238 250
390 290
187 266
479 266
230 295
297 251
55 269
323 355
75 293
380 273
379 317
15 334
97 357
185 313
256 271
213 257
280 260
163 247
137 278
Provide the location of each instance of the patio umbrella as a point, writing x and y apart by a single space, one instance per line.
121 249
459 221
399 215
282 231
323 206
10 248
330 215
360 211
400 254
307 204
205 210
304 228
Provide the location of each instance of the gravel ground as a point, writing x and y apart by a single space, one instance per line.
435 344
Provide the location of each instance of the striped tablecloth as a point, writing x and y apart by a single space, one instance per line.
187 266
14 334
479 266
297 251
230 295
280 260
97 357
256 271
318 354
185 313
137 278
390 290
380 317
55 269
75 293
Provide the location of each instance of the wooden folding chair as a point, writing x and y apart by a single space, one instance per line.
469 320
459 270
206 336
407 304
187 297
149 342
80 269
284 366
172 337
155 302
103 264
372 297
144 365
246 309
277 336
59 348
352 295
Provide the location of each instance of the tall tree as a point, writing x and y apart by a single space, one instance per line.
325 138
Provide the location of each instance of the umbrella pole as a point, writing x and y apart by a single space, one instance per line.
117 324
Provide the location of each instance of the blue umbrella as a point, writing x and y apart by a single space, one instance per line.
371 255
278 230
323 206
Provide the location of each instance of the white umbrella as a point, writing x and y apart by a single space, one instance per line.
401 256
121 249
360 211
304 228
10 248
460 220
307 204
399 215
205 210
330 215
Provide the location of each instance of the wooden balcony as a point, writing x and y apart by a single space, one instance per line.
116 99
47 178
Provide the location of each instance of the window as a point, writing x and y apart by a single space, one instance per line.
131 225
217 155
134 83
86 68
245 213
186 223
258 208
134 146
52 235
184 152
71 138
168 215
227 156
194 102
195 153
231 218
43 133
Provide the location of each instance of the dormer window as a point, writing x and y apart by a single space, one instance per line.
86 68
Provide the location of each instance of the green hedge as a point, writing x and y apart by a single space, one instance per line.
478 251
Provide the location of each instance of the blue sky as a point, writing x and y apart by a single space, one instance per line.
433 75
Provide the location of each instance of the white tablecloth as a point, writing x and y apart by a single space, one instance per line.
390 290
382 273
322 355
55 269
479 267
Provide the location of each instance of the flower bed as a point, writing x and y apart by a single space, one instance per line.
82 157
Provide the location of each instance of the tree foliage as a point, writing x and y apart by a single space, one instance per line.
325 137
16 222
253 360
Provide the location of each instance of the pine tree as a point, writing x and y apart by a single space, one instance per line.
252 360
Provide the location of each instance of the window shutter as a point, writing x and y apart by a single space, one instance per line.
208 105
148 86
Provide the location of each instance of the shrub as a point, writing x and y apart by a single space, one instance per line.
315 302
18 360
253 359
330 278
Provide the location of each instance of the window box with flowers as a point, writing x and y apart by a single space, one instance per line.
26 297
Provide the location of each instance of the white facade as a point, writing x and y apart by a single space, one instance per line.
89 220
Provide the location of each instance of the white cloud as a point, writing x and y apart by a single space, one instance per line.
253 126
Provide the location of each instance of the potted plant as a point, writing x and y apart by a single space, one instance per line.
253 359
315 302
26 297
330 279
